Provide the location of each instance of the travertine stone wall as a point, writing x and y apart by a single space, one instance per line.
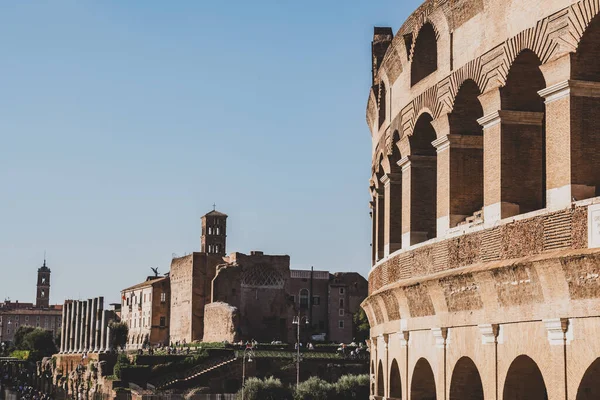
493 290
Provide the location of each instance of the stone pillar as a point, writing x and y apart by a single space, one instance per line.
109 341
83 326
72 327
380 222
572 158
88 324
392 235
513 160
386 366
94 315
419 175
103 324
77 338
373 231
459 180
62 328
99 324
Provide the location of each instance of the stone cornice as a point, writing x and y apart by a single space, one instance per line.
391 178
508 117
415 161
458 142
570 87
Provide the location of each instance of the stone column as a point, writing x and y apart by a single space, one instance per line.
94 315
109 341
88 324
459 179
418 198
103 324
99 324
373 229
386 366
77 338
62 328
72 327
392 234
379 222
83 325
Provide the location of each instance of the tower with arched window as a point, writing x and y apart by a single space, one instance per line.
214 233
42 298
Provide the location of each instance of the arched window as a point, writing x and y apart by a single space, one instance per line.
422 386
424 60
523 142
466 159
423 181
380 384
304 298
466 381
524 381
589 388
395 382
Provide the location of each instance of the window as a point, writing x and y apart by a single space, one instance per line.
163 297
316 300
163 321
304 298
341 303
43 279
149 324
293 298
341 312
37 318
17 318
26 318
144 297
341 324
341 290
8 331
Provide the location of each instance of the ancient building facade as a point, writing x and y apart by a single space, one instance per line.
486 217
145 308
86 327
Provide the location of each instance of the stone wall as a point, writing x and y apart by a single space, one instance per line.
221 321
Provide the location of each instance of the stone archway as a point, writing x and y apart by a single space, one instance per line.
589 388
422 386
380 384
395 381
524 380
466 381
424 61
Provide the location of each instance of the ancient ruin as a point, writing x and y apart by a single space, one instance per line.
485 279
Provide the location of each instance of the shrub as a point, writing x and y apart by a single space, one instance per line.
268 389
20 354
352 387
122 361
314 389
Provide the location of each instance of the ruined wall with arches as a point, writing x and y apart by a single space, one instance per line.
485 279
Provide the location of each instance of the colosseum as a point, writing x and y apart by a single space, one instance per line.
485 278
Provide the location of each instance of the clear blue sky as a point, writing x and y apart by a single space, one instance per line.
123 121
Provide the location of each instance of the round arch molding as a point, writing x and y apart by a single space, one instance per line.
422 386
524 380
466 381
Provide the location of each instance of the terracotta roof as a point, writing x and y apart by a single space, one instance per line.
148 282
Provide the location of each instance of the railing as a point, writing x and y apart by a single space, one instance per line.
193 372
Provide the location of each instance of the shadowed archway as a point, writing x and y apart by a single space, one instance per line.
524 380
422 386
395 381
466 381
589 388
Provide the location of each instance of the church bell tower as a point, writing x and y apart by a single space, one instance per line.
214 233
42 298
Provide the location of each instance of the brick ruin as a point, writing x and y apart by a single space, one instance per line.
485 202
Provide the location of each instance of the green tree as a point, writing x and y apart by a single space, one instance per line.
19 335
268 389
119 332
352 387
360 325
39 342
314 389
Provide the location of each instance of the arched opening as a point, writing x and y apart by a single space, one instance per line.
423 181
395 381
466 156
422 386
379 211
524 381
589 388
585 140
382 103
380 384
393 199
424 60
523 142
466 381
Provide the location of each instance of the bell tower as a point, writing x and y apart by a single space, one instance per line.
214 233
42 298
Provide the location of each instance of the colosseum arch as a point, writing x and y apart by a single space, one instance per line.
523 142
380 383
466 155
422 182
425 54
395 382
422 386
382 103
392 182
589 388
466 381
585 140
524 380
